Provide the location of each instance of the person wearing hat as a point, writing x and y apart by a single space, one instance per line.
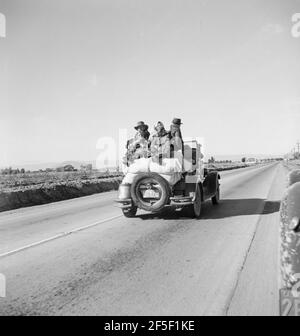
142 133
176 136
175 128
138 146
160 142
142 130
140 124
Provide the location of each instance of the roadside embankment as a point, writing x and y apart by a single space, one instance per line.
290 231
48 193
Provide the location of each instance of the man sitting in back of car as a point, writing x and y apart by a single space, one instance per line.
138 146
176 136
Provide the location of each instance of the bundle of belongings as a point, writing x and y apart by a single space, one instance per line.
161 153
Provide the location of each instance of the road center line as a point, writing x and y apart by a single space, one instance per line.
60 235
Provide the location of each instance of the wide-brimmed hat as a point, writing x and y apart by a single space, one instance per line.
142 125
176 121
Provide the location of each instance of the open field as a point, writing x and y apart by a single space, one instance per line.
22 190
17 182
225 166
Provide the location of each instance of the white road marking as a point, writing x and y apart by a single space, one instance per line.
60 235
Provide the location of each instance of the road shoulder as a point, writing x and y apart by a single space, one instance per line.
257 291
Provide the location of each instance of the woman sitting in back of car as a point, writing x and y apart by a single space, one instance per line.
160 145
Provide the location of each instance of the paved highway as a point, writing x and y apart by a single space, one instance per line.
82 257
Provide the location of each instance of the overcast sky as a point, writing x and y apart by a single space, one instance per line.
74 71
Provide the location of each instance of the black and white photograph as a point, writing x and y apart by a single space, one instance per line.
149 160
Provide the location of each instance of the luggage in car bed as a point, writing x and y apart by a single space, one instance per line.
169 168
165 166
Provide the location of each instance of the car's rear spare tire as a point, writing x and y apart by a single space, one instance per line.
150 192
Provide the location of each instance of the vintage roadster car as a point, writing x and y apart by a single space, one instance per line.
176 182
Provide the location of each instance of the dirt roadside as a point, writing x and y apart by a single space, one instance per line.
57 192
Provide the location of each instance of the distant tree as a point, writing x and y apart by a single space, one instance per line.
244 159
22 171
69 168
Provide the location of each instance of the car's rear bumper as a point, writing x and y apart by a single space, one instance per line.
125 203
180 202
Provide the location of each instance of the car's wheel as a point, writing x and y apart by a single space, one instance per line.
129 213
216 199
150 192
194 210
